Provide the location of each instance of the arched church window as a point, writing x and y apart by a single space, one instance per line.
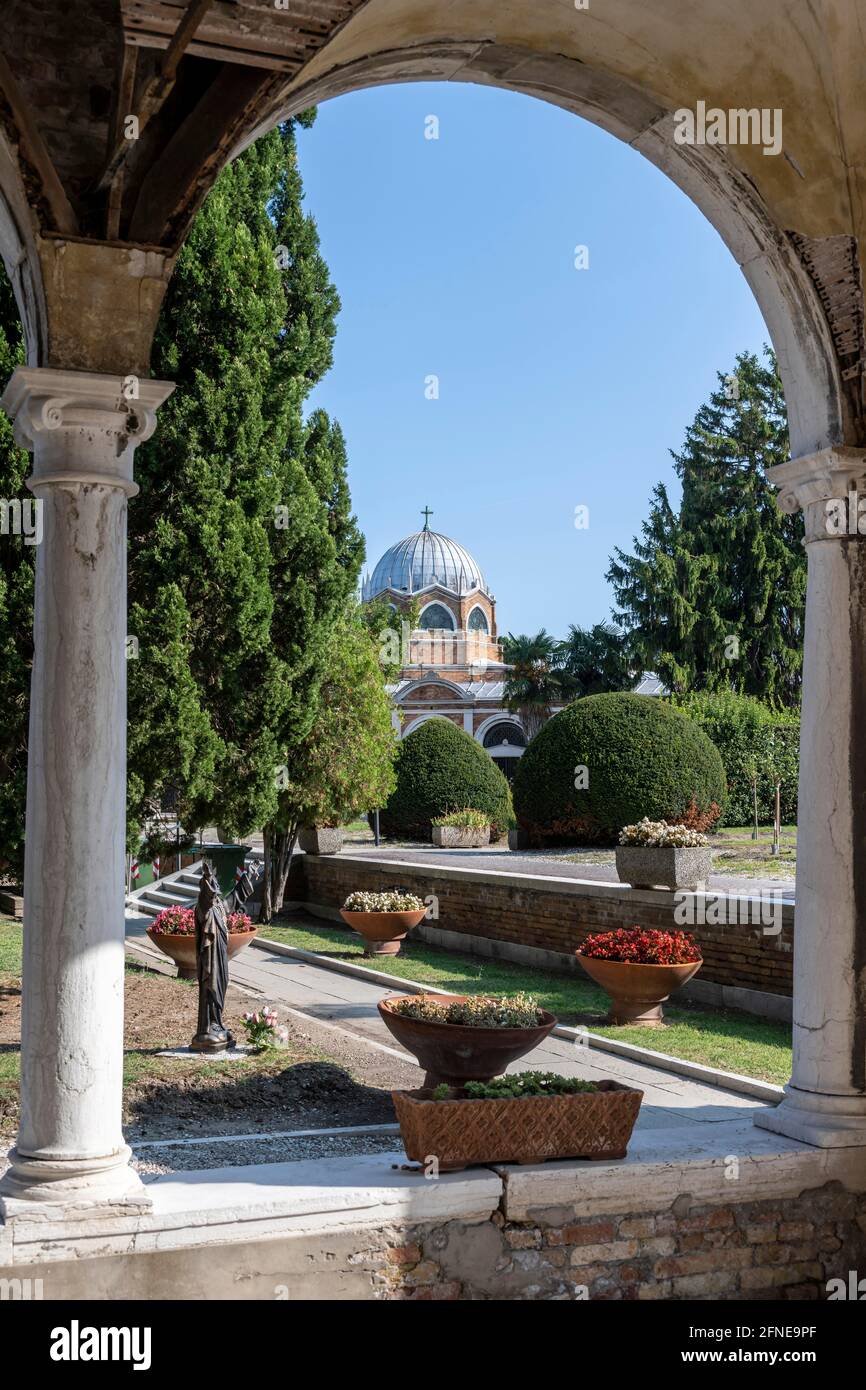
478 621
436 616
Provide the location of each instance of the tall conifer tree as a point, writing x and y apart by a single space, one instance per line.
242 544
16 611
712 596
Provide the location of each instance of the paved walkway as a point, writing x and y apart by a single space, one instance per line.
340 1000
505 860
546 864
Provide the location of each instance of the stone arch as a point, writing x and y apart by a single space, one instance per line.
823 409
627 74
492 724
89 255
452 690
792 222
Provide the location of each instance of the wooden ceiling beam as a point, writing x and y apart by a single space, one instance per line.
275 33
197 150
157 89
124 99
217 53
36 152
181 39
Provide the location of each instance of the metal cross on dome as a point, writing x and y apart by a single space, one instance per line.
426 513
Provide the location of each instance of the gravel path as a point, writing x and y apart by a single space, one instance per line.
151 1161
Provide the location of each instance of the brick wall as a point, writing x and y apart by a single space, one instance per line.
766 1250
552 916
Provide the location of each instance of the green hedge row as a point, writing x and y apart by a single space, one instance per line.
750 736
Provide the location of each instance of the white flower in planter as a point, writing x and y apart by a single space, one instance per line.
658 834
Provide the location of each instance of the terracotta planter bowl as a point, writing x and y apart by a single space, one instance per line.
383 931
637 992
181 948
456 1053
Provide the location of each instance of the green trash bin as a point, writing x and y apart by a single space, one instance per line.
226 860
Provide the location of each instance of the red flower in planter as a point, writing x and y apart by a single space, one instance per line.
643 946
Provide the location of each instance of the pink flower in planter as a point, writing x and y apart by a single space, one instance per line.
180 921
174 921
239 921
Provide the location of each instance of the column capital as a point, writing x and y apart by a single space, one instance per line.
821 485
832 472
82 427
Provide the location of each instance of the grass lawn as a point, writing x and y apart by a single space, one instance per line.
299 1086
720 1038
735 852
10 984
10 946
155 1025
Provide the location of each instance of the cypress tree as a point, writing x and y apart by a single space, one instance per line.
16 611
242 544
345 763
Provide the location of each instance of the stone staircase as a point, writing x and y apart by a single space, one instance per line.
179 889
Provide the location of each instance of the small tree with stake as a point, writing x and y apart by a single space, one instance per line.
346 762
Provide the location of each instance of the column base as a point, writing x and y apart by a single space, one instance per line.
96 1182
827 1122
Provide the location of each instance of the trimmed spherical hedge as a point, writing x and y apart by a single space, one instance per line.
642 758
440 768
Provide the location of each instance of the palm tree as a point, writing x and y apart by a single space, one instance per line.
536 680
597 659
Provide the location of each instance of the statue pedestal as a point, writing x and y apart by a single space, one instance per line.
191 1054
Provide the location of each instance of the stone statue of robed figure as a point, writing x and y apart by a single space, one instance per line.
212 953
212 966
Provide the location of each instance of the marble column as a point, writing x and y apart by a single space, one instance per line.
825 1101
82 429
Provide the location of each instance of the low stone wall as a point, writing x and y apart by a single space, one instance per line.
554 915
765 1250
12 904
593 1236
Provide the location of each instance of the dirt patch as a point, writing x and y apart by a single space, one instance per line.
322 1078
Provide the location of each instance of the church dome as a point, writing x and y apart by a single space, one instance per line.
421 561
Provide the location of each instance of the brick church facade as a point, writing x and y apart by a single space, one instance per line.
452 666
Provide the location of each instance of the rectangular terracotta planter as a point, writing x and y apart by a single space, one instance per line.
657 866
458 1132
460 836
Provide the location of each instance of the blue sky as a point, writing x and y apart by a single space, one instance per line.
558 387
